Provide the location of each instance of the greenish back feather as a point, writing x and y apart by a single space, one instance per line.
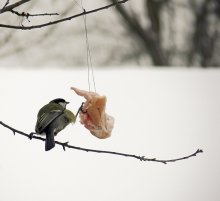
71 116
49 107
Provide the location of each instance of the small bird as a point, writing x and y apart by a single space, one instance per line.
51 119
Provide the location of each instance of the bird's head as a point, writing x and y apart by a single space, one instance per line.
60 101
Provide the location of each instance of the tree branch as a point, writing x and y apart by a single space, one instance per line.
66 145
23 14
12 6
6 3
61 20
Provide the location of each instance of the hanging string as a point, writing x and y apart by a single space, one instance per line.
89 57
88 52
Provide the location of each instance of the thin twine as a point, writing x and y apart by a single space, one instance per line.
88 52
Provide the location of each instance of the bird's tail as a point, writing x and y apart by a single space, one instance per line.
50 142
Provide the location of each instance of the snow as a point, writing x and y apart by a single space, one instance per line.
162 113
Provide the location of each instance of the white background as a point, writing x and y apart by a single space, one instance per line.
162 113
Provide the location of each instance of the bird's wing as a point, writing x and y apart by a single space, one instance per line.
70 115
46 118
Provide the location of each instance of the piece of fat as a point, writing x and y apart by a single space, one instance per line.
93 115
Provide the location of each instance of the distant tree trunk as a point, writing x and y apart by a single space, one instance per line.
149 38
202 42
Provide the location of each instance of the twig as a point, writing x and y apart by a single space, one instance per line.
80 110
66 145
12 6
64 19
6 3
23 14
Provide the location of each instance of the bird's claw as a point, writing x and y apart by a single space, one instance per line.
80 110
31 135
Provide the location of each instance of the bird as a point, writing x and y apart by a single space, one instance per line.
53 118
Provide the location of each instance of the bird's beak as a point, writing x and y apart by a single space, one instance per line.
67 102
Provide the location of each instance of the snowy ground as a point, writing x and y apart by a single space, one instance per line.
163 113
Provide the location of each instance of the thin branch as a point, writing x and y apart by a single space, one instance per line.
23 14
64 19
12 6
66 145
6 3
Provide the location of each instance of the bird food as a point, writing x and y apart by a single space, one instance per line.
93 116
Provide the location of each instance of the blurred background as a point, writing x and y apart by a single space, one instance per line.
141 33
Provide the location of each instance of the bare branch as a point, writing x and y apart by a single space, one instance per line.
12 6
64 19
23 14
6 3
66 145
35 41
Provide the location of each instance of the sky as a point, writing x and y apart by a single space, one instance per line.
162 113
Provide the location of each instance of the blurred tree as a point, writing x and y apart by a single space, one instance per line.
151 32
168 22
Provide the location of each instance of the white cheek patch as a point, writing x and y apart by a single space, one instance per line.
63 104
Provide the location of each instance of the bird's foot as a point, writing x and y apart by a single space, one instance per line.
31 135
80 110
